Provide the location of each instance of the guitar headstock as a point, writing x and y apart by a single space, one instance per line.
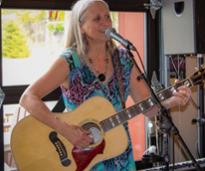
199 76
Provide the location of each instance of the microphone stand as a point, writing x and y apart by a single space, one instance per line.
165 128
201 115
165 113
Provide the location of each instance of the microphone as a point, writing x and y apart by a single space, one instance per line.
111 33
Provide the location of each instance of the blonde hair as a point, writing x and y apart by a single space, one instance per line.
74 36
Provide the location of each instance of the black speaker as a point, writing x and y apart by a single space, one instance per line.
183 26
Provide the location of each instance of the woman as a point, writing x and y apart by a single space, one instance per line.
86 69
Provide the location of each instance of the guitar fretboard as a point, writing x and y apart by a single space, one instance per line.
142 107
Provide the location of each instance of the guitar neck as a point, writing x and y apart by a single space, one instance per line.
127 114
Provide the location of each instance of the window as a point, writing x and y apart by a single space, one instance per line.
32 40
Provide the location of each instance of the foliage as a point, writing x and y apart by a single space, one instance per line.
56 19
27 17
4 12
14 41
56 27
33 23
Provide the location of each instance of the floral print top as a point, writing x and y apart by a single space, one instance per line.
83 84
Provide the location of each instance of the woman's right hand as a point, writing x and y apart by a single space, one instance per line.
76 135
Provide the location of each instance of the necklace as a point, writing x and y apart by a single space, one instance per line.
101 75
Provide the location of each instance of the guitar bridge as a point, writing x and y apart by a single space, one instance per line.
60 148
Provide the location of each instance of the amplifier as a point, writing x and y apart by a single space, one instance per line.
183 25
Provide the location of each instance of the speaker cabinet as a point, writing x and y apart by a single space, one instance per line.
183 26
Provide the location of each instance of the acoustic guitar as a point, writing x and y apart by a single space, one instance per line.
37 147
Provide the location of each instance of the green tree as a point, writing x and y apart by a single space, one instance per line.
14 41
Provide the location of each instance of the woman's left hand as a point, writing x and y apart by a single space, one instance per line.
180 97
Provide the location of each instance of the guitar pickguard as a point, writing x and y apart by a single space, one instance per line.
83 157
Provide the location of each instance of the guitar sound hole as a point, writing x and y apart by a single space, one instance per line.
95 131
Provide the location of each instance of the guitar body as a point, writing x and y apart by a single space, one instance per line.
36 147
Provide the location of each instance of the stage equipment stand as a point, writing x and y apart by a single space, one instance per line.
200 113
164 112
164 127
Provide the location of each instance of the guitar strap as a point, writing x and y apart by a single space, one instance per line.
118 73
76 59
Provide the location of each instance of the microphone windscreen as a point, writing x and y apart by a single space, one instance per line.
108 32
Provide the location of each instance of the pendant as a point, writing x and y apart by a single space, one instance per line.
101 77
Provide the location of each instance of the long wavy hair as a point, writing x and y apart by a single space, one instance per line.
75 39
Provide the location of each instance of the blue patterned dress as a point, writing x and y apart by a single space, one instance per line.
83 85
